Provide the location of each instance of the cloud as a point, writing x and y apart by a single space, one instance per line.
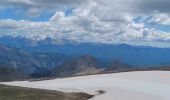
103 21
162 18
130 6
39 4
36 2
34 8
154 5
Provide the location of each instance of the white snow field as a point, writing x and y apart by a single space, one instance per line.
140 85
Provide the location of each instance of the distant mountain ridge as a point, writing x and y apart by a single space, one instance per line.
132 55
22 64
27 62
19 64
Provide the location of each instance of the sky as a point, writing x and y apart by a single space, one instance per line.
136 22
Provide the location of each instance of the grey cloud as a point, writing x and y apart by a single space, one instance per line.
130 6
154 5
35 7
105 21
39 3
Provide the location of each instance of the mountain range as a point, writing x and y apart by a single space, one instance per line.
22 58
27 62
139 56
16 63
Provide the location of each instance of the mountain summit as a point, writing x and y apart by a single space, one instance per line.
117 65
78 66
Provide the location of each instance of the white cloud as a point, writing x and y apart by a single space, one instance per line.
104 21
160 19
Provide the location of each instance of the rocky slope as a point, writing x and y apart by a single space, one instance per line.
9 73
117 65
78 66
29 63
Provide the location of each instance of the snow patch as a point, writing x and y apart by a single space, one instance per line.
146 85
